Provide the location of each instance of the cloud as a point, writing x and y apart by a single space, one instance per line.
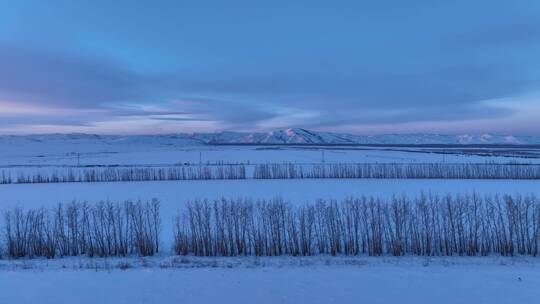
189 68
48 78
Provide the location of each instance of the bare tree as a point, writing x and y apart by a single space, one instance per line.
429 225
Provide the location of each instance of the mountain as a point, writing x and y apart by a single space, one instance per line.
286 136
303 136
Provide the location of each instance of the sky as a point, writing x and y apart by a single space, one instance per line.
361 67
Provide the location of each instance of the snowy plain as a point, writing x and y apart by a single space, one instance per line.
29 156
94 150
173 195
272 280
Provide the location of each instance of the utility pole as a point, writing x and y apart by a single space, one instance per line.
200 165
78 159
322 156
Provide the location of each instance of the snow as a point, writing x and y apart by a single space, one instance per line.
19 154
44 154
174 194
275 280
286 136
164 279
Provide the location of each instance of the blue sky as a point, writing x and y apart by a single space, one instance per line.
362 67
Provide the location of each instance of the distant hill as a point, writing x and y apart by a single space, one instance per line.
303 136
287 136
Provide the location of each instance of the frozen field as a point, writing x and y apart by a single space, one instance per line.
27 158
322 279
175 193
274 280
60 151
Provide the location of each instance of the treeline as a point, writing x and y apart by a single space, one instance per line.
127 174
460 225
104 229
279 171
399 171
426 226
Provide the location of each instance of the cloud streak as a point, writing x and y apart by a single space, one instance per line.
365 68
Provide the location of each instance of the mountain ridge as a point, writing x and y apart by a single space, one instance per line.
290 136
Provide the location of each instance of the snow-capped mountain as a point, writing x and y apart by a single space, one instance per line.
286 136
303 136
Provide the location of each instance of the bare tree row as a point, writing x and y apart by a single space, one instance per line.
399 171
427 226
103 229
280 171
127 174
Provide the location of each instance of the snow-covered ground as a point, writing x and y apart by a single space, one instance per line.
168 150
165 279
273 280
174 194
72 156
45 158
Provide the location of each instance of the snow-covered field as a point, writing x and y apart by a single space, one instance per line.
246 280
173 195
273 280
88 151
61 156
